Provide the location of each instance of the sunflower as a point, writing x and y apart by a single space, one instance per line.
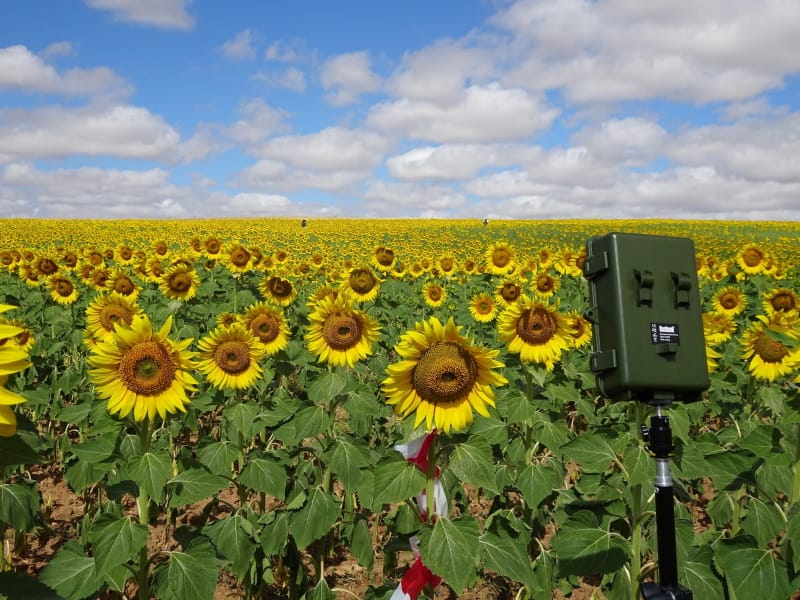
141 371
161 249
782 300
361 284
280 257
751 259
507 293
447 265
99 278
226 319
579 329
237 258
712 358
268 326
22 340
500 259
545 285
106 311
483 308
383 259
124 254
179 282
212 246
123 284
324 291
442 377
718 327
154 267
470 267
534 331
277 290
434 294
29 275
544 258
771 347
44 266
62 289
229 357
729 300
339 334
570 263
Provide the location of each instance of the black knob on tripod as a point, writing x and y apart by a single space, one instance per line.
653 591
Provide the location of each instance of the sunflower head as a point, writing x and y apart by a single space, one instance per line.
267 325
442 377
483 308
772 347
783 300
434 294
361 283
500 258
339 334
229 357
142 371
277 290
535 331
179 282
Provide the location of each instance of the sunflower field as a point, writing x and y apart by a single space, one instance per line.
249 402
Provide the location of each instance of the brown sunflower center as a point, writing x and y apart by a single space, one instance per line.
125 253
577 328
536 326
47 266
281 256
279 288
770 350
783 302
752 257
147 368
362 281
444 373
510 292
435 293
341 331
232 357
384 256
123 285
213 246
115 313
161 248
240 257
446 264
729 300
265 327
545 283
484 307
501 257
99 277
63 288
179 282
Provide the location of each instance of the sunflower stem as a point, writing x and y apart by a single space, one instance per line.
795 497
143 505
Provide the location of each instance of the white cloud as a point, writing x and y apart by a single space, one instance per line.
280 51
486 114
388 199
58 49
24 71
255 204
259 121
291 79
241 46
87 192
677 49
455 161
167 14
346 76
629 141
439 73
116 131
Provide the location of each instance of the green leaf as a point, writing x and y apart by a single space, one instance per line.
242 417
754 573
17 585
396 481
763 441
116 542
19 504
193 485
321 591
551 433
96 449
638 465
697 575
347 460
326 386
472 462
593 453
451 549
584 548
361 543
265 475
732 470
537 482
219 457
507 556
315 518
310 422
71 573
151 471
274 533
81 474
188 575
233 536
15 450
762 521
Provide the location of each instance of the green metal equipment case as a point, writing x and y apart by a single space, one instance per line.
646 316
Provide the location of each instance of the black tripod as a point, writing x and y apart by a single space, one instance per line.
659 439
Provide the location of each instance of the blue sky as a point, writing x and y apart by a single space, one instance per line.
527 109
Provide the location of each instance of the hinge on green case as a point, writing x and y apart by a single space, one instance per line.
683 283
667 348
644 286
594 264
603 361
